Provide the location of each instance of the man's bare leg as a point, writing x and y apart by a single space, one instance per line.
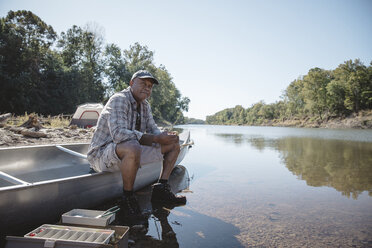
130 156
170 157
161 192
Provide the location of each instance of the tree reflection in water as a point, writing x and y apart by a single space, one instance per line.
342 164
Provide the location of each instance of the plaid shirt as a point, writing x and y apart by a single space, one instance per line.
117 122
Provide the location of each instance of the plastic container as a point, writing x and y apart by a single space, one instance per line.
71 233
87 217
118 240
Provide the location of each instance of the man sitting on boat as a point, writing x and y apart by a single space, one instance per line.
127 137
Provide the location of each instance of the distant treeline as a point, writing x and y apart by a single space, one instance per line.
51 74
188 120
318 95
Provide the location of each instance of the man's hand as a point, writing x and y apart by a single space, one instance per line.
166 138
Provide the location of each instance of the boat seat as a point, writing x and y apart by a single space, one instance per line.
5 183
56 173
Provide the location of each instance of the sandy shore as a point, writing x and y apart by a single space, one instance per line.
17 136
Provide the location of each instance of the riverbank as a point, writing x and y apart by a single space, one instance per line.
34 130
11 136
362 120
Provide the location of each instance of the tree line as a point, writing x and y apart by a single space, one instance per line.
318 95
50 74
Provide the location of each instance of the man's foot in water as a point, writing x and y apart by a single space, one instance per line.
130 212
161 193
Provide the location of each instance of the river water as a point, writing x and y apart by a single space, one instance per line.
273 187
264 187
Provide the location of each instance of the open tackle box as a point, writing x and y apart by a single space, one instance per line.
79 228
81 234
71 236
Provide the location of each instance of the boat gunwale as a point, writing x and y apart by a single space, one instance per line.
27 185
42 145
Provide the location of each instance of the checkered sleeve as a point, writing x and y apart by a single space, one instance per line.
118 120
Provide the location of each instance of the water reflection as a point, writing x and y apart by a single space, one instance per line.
258 142
160 214
176 227
344 165
165 236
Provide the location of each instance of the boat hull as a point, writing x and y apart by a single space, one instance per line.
32 202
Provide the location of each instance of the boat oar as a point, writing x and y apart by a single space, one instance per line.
77 154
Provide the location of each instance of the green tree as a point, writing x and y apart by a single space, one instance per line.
294 98
36 78
81 50
368 92
138 57
320 93
315 91
280 108
115 70
71 45
336 97
357 83
238 115
166 100
255 114
25 42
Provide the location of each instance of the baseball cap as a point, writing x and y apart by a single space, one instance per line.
144 74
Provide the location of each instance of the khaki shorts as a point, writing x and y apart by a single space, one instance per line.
108 160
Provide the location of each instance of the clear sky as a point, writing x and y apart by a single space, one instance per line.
225 53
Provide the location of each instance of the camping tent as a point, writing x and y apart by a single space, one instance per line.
86 115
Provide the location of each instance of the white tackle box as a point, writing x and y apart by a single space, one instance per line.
72 233
87 217
61 236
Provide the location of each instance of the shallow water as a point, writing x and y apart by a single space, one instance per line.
274 187
266 187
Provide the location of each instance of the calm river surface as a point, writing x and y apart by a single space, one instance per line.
274 187
264 187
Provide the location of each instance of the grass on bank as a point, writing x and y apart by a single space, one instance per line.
59 121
